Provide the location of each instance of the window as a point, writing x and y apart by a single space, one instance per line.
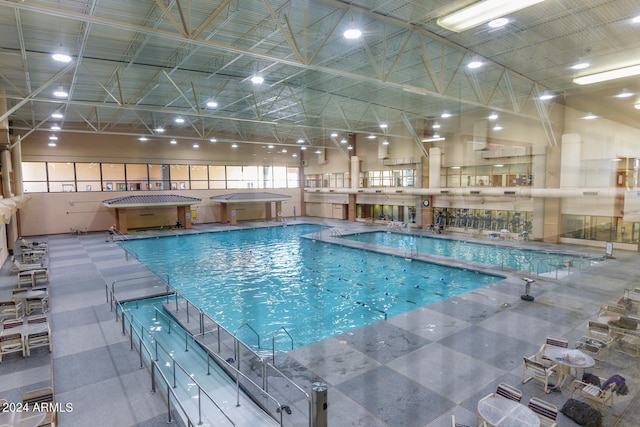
199 177
279 177
62 177
113 173
137 177
293 177
179 177
217 177
88 177
34 177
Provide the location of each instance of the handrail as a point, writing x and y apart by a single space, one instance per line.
273 341
153 363
176 363
235 333
113 285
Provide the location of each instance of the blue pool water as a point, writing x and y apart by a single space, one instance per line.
273 277
507 257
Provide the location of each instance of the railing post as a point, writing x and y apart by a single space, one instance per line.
174 372
122 322
201 323
156 350
199 407
153 377
140 353
130 334
186 342
176 302
187 311
170 420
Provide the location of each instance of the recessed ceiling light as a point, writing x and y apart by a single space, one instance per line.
497 127
300 141
474 64
53 138
303 148
343 141
493 116
497 23
294 155
55 127
445 115
173 141
52 144
143 138
436 125
637 106
284 150
257 80
624 94
61 57
334 134
580 66
636 19
590 116
350 147
57 115
196 145
179 120
371 137
383 126
234 145
546 96
160 129
318 151
212 104
270 146
213 140
385 142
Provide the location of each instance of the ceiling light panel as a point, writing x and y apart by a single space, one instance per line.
482 12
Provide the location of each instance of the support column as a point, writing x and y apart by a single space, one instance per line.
183 217
352 207
233 215
268 215
121 220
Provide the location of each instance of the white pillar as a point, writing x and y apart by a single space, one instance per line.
570 159
435 164
355 171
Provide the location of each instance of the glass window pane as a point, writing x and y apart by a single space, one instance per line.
158 177
179 173
293 177
61 171
234 173
217 177
137 177
34 171
199 173
113 172
279 177
250 176
88 172
35 187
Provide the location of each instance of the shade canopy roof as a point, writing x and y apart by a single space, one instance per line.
252 197
145 201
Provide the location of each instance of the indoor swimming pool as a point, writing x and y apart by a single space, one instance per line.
272 277
511 257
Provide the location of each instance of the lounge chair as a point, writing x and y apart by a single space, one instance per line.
25 278
12 323
38 337
27 244
546 412
42 396
11 343
22 266
11 308
455 424
535 370
503 390
600 331
594 392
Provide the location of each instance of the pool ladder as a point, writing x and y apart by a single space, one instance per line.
411 252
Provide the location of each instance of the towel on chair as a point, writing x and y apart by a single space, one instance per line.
621 385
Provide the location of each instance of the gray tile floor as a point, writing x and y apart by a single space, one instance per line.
414 369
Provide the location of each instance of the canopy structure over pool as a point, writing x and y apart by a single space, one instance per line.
228 202
121 204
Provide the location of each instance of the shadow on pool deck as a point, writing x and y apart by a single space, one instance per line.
414 369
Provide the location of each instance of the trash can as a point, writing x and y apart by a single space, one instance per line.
319 404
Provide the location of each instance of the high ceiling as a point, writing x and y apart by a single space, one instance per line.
137 65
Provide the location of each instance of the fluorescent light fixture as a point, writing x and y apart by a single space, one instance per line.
497 127
270 146
52 144
294 155
546 96
350 147
482 12
61 57
434 139
498 166
318 151
589 116
618 73
580 66
636 19
637 106
445 115
455 167
257 80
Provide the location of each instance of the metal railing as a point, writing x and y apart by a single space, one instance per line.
243 355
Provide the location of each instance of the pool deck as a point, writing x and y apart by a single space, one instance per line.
415 369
